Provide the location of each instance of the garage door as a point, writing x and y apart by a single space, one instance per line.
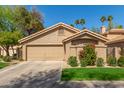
35 53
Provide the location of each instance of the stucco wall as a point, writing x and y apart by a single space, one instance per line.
49 38
73 50
112 36
101 52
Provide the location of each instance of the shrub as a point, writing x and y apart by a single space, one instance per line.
7 58
112 61
121 61
100 62
83 62
1 56
89 54
72 61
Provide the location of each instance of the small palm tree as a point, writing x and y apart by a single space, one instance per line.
82 22
77 22
72 25
103 19
110 18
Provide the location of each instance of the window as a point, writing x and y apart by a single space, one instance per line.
61 31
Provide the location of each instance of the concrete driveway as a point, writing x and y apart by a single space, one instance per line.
31 74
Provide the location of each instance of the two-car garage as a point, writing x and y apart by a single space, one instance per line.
44 52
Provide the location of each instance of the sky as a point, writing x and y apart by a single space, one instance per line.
69 13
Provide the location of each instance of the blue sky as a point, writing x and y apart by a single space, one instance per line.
92 14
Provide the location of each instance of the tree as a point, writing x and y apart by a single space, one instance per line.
103 19
9 39
82 22
72 25
17 20
119 27
31 21
77 22
110 25
7 19
15 36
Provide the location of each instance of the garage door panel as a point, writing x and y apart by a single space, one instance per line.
45 53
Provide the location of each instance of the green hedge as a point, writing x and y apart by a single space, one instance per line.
72 61
83 62
100 62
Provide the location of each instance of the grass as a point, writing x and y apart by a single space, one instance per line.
93 74
2 65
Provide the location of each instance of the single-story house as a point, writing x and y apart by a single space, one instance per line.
61 41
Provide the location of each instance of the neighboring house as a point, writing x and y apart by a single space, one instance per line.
60 41
11 51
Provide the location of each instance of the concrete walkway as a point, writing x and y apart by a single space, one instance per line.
45 74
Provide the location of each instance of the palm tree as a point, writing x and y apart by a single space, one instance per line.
77 22
110 18
72 25
82 22
103 19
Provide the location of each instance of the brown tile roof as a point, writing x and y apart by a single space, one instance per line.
116 40
115 31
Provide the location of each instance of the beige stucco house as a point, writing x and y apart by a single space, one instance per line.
60 41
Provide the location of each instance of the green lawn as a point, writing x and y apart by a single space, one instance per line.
93 74
2 65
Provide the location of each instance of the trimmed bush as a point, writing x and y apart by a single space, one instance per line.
7 58
112 61
72 61
90 54
121 61
83 62
100 62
